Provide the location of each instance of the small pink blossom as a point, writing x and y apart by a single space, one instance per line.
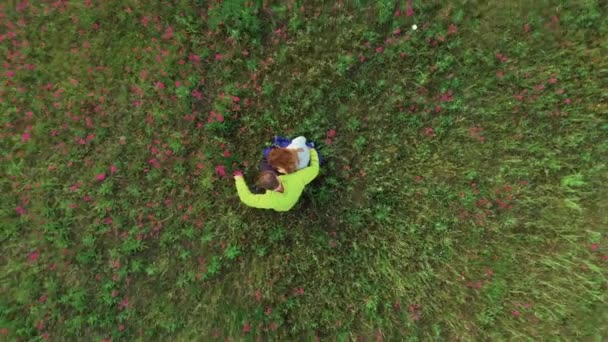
331 133
100 177
515 313
218 57
409 11
32 257
452 29
220 170
113 169
594 246
197 94
501 57
124 303
567 101
25 137
168 33
246 327
20 211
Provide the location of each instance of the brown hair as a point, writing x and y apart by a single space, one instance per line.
267 180
284 158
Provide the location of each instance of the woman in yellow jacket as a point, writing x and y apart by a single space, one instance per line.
283 191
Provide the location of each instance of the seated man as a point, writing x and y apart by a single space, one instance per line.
282 191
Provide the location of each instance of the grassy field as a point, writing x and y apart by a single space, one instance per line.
463 195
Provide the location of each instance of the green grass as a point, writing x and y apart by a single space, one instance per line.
463 195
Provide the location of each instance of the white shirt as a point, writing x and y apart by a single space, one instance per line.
304 154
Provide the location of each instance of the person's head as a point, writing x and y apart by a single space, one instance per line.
269 181
283 159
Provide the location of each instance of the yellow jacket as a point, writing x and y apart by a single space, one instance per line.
293 185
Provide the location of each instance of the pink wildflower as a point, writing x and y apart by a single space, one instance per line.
124 303
197 94
168 33
220 170
32 257
409 11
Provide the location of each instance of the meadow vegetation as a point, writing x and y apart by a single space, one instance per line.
462 195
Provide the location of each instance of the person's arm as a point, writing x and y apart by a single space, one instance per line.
249 199
309 173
